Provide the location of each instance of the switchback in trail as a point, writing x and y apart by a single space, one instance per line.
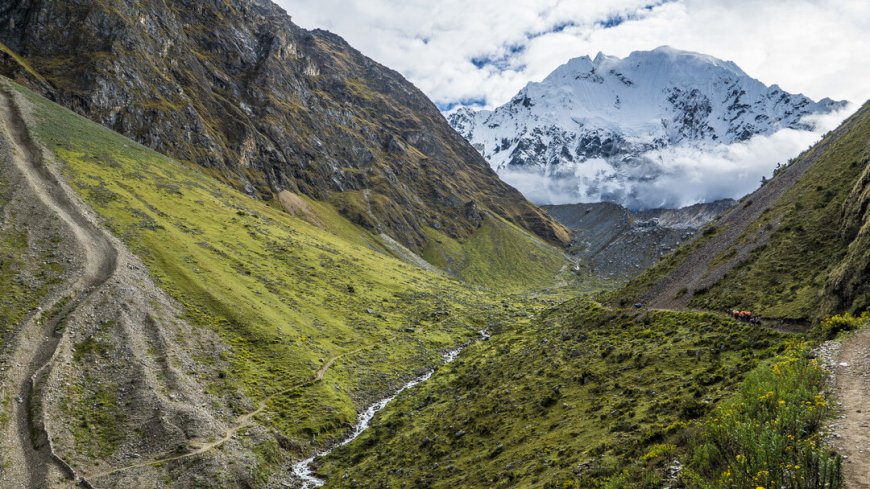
34 351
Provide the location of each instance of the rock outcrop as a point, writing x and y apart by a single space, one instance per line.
617 243
264 105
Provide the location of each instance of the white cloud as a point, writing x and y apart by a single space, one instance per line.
817 47
482 52
676 176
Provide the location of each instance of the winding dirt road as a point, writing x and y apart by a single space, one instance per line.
32 451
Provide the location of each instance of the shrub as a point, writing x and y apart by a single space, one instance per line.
768 434
834 325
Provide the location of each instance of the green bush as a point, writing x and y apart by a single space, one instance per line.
767 436
832 326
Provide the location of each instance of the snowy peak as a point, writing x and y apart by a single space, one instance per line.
619 109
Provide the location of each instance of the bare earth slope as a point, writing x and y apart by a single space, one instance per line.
31 449
107 302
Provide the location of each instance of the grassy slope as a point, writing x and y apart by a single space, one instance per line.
284 294
784 278
536 403
498 254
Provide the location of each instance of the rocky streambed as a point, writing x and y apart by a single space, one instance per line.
304 470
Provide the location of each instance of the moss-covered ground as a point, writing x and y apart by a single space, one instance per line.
499 255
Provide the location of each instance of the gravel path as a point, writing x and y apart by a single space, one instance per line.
31 448
851 431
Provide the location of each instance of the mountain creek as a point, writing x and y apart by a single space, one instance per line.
303 470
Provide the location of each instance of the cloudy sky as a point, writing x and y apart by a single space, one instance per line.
483 51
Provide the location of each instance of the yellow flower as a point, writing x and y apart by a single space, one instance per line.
740 458
782 402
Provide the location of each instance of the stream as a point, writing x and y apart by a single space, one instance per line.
303 469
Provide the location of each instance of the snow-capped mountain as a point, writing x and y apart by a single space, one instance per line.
604 128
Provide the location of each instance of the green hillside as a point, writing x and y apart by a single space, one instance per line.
776 251
284 294
568 401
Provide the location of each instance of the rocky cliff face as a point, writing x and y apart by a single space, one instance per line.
848 285
600 128
616 243
237 88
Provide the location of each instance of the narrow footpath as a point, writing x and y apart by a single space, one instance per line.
851 431
31 449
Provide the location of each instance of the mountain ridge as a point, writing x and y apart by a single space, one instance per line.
265 106
600 129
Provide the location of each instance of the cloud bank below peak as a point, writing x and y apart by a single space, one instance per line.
676 176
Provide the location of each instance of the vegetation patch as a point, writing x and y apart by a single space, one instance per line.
767 434
567 399
497 254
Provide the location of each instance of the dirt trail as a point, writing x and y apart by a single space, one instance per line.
35 350
852 390
243 421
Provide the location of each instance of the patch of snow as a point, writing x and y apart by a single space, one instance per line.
605 126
